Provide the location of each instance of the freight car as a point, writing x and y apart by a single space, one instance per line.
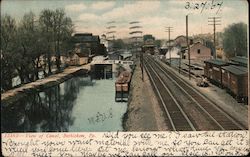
235 80
212 70
122 85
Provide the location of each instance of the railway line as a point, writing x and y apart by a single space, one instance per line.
165 81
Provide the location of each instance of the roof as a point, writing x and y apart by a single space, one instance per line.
239 59
148 45
114 52
237 70
81 54
216 62
197 43
180 36
83 34
86 37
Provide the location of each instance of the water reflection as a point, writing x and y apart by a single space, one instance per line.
50 110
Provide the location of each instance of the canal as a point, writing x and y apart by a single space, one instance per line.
76 105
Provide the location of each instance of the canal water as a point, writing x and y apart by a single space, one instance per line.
79 104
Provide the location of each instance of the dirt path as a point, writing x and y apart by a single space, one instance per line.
144 112
13 95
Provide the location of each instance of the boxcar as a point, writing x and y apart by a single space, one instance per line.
212 70
239 60
225 77
235 79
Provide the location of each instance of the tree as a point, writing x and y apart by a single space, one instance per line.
62 30
46 24
235 40
8 35
24 45
28 48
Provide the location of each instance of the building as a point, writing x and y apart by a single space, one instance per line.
181 41
148 46
199 52
174 52
220 52
78 59
107 43
115 55
170 43
148 36
89 41
198 39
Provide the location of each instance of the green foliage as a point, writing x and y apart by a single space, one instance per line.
235 40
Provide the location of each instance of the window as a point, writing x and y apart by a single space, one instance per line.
198 51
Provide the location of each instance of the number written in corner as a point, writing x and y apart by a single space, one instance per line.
204 5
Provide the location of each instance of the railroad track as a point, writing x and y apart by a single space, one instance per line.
177 118
217 116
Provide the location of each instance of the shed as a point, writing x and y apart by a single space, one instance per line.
212 70
235 80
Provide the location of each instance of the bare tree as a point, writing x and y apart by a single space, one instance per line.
28 47
46 23
8 33
62 30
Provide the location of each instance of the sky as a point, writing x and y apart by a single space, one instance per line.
154 16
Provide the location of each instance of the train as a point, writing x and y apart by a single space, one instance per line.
229 75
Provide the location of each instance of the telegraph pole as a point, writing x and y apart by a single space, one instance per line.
169 29
188 47
136 33
180 61
111 34
214 21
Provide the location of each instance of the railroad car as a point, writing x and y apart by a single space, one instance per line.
235 80
122 85
212 70
239 60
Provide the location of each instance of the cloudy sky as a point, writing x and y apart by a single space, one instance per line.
154 15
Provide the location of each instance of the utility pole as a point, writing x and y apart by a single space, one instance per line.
137 39
188 47
214 21
111 35
169 29
180 61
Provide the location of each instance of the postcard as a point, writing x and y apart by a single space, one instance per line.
124 78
